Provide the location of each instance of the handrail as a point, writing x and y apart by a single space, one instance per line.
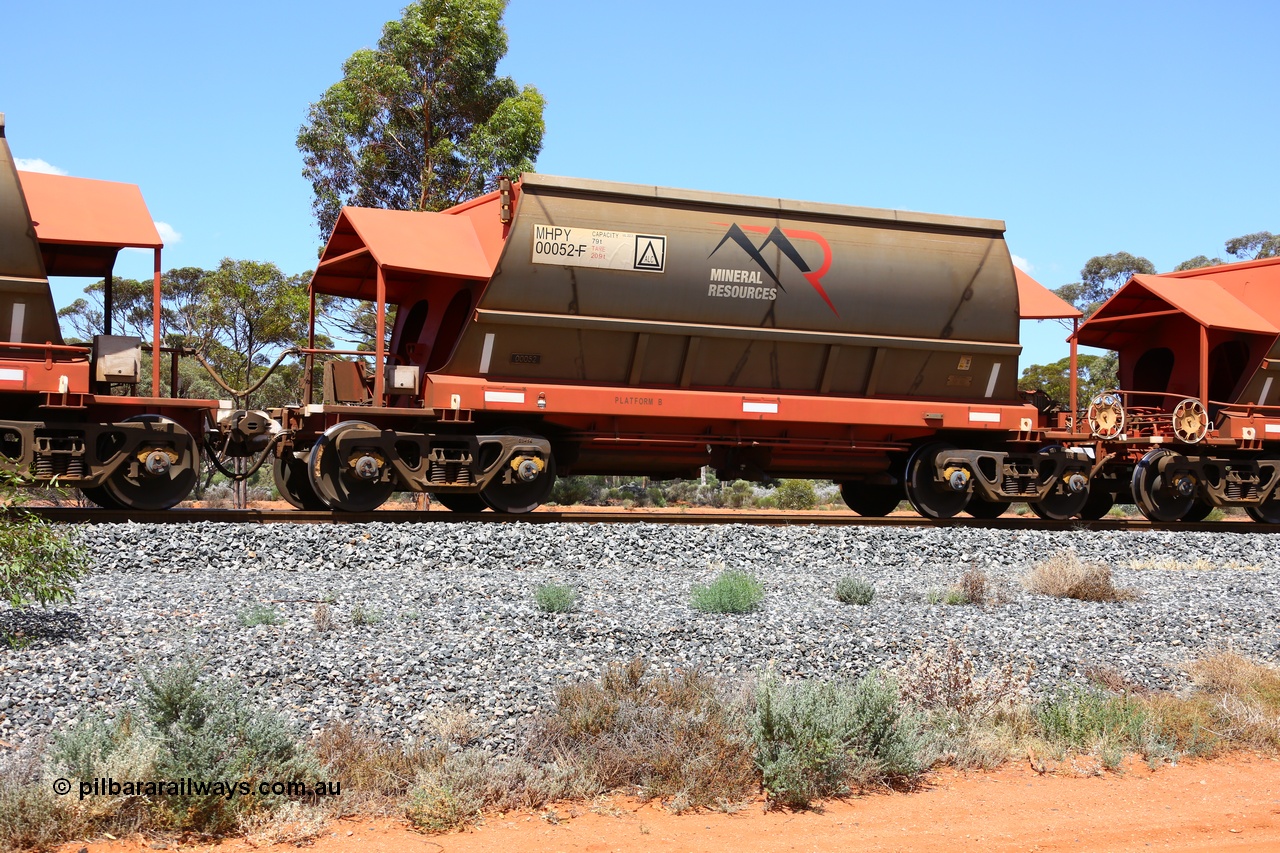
48 347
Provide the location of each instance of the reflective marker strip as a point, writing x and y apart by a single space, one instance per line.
487 353
503 396
1262 398
984 417
9 374
19 314
1273 428
991 383
769 408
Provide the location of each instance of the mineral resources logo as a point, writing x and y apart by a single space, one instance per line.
749 283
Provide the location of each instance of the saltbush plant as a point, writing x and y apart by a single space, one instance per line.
259 614
796 494
819 739
730 592
854 591
555 598
185 726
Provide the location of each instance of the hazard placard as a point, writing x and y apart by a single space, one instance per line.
574 246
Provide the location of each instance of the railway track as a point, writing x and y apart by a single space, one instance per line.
93 515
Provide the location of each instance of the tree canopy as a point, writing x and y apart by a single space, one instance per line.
1100 278
1097 374
1262 244
421 122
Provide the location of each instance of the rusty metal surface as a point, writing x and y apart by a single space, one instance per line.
27 312
745 293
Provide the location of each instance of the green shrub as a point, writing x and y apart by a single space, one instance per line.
555 598
730 592
39 562
435 807
567 491
361 615
1094 721
854 591
259 614
739 494
817 739
796 494
951 596
185 728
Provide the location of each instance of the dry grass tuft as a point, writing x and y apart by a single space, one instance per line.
948 681
1169 564
1066 576
674 737
1246 696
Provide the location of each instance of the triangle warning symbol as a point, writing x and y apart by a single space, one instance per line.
649 258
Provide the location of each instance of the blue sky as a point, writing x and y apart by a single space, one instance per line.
1088 127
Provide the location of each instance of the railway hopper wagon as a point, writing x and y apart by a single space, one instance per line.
71 414
564 326
1195 423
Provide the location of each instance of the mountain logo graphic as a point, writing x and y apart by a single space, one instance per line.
780 237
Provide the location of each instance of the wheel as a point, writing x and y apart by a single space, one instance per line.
164 478
870 500
979 508
1061 503
520 496
460 501
1098 504
290 475
99 495
1199 511
336 483
930 498
1266 513
1156 496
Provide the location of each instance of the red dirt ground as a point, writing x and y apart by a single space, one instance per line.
1230 804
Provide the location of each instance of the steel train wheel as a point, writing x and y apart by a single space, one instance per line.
869 500
978 508
1154 496
1266 513
1098 504
1061 503
930 498
98 494
290 476
161 489
335 482
1199 511
460 501
521 496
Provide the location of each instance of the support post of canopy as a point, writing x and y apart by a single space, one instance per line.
380 342
1204 367
309 360
107 303
155 330
1074 374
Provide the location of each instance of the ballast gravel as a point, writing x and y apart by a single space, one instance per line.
438 617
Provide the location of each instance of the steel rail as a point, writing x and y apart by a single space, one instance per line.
93 515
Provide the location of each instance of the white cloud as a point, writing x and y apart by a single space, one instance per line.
168 234
1022 264
25 165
